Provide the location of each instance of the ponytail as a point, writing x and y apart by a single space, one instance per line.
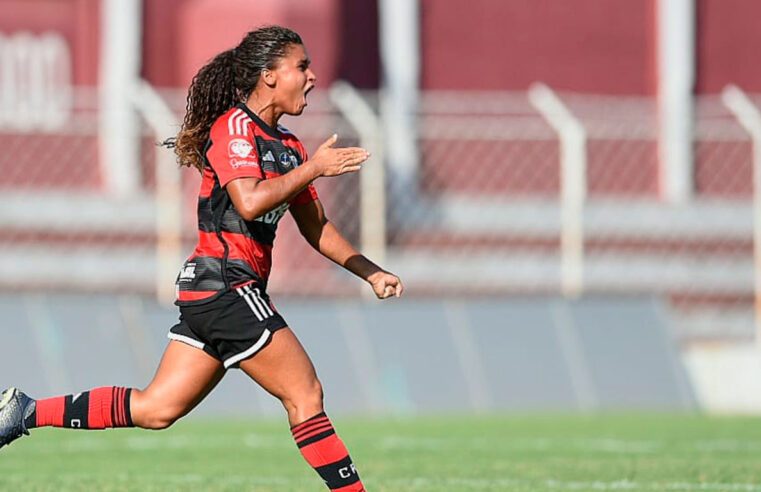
212 92
224 82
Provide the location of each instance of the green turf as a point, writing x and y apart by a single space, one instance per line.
529 453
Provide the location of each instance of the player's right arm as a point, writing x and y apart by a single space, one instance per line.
254 197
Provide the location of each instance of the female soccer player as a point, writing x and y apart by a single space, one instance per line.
253 171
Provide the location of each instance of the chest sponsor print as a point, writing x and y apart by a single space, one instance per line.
273 217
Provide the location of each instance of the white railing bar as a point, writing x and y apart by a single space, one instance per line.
164 123
372 177
749 116
573 164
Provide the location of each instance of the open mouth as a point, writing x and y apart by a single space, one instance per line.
305 103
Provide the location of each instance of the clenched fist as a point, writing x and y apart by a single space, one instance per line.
385 284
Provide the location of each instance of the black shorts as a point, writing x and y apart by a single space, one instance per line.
232 327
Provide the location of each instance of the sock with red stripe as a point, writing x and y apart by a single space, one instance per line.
321 447
99 408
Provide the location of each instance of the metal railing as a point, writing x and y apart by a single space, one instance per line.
517 193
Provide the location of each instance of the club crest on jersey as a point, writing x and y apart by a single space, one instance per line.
241 148
288 160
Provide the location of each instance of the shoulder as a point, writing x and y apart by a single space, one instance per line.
231 123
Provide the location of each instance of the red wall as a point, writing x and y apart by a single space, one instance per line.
605 46
207 27
180 35
160 31
728 42
77 21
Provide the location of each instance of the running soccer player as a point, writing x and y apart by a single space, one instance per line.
253 171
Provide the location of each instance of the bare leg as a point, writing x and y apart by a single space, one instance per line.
284 369
184 377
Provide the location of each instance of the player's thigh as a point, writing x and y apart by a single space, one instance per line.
284 369
184 377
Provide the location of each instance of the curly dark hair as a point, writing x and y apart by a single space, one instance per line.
224 82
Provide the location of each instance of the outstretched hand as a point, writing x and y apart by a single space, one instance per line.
385 284
331 161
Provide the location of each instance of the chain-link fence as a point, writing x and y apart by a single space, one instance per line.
484 217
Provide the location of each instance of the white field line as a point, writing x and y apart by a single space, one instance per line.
414 483
171 478
581 444
535 444
99 443
552 484
728 445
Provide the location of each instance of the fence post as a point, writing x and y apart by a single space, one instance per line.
372 177
119 133
749 117
675 21
573 184
163 123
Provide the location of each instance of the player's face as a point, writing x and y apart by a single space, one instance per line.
294 80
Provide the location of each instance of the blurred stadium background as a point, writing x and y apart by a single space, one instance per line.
566 188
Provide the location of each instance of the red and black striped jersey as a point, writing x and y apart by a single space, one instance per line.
232 252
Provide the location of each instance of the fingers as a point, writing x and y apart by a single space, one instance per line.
389 288
388 291
337 161
385 293
350 160
354 152
355 159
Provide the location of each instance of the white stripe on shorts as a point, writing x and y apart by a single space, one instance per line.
250 351
251 303
182 338
265 309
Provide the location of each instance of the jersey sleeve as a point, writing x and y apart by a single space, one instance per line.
233 155
308 194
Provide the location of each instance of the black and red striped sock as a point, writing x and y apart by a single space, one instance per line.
321 447
99 408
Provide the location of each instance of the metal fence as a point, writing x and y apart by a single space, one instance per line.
487 214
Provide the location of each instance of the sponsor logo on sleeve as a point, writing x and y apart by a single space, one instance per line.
239 147
241 153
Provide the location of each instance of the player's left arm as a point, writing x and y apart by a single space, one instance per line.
322 235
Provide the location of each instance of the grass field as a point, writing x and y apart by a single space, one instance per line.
516 453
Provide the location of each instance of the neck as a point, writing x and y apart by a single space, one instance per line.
264 109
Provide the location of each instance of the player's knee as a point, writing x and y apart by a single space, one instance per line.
151 412
161 420
312 395
305 399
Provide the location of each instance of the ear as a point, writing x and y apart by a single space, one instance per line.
269 77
